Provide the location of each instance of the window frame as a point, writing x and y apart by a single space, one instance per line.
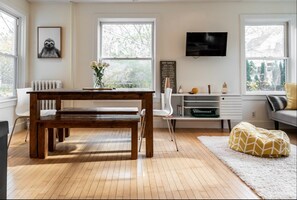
289 49
135 20
15 55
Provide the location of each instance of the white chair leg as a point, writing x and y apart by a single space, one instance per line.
28 128
141 126
12 131
27 135
172 132
169 129
141 134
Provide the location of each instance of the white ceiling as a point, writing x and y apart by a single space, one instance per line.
127 1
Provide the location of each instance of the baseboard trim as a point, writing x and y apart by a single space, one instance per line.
20 126
217 124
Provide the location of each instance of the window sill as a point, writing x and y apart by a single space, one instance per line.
264 93
5 103
259 96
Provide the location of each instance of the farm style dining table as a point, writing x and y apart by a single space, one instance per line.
145 96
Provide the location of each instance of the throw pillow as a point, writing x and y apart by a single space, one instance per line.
277 102
291 92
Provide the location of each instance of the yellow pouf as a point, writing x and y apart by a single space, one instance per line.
249 139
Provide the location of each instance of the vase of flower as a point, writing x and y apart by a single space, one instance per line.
99 68
98 83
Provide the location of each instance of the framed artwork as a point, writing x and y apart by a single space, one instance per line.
168 70
49 42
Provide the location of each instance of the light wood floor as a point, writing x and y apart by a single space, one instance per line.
90 164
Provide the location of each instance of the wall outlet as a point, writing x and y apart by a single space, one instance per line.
253 114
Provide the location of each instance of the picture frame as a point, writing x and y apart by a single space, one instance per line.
168 70
49 42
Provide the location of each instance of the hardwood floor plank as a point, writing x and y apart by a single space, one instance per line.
95 163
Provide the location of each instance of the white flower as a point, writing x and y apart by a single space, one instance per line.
93 64
98 65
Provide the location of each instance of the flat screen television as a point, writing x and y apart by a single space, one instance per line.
206 44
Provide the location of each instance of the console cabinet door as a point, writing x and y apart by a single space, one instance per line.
231 107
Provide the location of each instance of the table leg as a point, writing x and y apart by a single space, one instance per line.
51 139
134 136
42 142
149 125
34 116
61 134
67 132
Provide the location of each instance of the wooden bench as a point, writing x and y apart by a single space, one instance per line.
97 110
85 121
100 110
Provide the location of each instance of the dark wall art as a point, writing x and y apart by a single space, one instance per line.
168 70
49 43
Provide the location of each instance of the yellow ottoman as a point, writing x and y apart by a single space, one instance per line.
249 139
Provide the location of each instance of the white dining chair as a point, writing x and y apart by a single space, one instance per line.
165 113
22 110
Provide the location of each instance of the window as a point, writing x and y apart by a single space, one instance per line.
129 49
8 54
266 55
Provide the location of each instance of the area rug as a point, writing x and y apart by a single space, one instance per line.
270 178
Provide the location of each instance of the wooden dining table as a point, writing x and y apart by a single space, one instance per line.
145 96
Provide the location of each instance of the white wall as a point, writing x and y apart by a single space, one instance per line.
51 14
173 21
19 8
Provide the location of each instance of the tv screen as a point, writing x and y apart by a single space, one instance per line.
206 44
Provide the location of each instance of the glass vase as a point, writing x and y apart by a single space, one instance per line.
98 83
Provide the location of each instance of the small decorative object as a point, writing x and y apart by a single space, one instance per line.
99 68
179 110
180 90
49 42
194 90
209 89
224 88
167 83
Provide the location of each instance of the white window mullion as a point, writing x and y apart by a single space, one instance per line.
267 58
8 55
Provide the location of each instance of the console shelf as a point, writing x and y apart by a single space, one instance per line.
224 107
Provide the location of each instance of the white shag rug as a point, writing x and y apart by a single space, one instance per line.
270 178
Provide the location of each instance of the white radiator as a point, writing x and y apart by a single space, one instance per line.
46 85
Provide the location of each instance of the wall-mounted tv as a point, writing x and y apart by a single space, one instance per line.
206 44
